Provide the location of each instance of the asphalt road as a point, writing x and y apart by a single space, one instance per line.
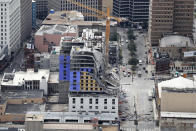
16 62
136 88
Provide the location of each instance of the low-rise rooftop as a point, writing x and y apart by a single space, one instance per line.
69 126
54 77
176 84
18 78
32 117
56 29
176 41
22 94
23 108
72 18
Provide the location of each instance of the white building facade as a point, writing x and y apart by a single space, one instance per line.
10 24
91 103
29 80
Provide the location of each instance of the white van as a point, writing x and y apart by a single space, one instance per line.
140 62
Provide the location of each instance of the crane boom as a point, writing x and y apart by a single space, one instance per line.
108 17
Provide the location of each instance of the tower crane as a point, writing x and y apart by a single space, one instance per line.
108 18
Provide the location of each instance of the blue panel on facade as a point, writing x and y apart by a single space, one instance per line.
64 67
86 69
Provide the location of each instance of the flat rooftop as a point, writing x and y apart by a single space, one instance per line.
176 41
54 77
75 126
22 94
23 108
31 117
187 115
18 78
56 29
177 84
57 107
72 18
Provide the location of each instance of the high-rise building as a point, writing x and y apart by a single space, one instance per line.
137 11
26 18
168 17
10 26
42 8
59 5
33 13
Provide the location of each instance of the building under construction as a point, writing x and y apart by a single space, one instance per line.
81 62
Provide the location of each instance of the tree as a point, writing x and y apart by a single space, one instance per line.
133 61
130 34
133 68
120 56
131 47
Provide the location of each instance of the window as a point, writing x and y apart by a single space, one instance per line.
73 107
73 100
81 101
113 107
105 107
96 107
113 101
90 101
81 107
96 101
90 107
105 101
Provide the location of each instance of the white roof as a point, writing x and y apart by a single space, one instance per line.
56 29
178 83
8 1
176 41
21 76
178 115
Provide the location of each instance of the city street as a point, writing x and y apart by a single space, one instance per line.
136 88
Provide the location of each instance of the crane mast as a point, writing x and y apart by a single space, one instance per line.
108 18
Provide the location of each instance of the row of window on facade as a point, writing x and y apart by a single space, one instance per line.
4 9
91 107
2 5
184 68
82 88
91 101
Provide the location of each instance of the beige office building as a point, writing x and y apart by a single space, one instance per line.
170 16
60 5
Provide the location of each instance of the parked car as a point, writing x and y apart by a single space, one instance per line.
125 74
